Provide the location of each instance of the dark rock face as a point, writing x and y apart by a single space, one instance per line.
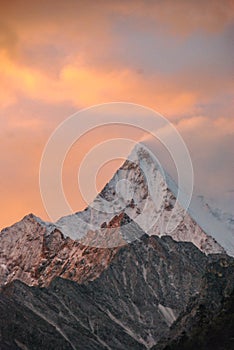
150 286
208 320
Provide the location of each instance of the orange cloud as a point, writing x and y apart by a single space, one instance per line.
78 32
84 86
68 54
179 17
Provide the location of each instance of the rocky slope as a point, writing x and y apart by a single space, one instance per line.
30 253
207 323
132 305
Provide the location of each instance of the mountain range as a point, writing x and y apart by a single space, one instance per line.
132 271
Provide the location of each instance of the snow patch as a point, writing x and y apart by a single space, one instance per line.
167 313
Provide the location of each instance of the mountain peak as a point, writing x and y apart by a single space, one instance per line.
140 190
112 276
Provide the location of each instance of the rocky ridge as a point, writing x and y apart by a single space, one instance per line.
30 253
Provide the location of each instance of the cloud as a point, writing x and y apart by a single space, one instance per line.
180 17
210 143
82 86
124 51
173 56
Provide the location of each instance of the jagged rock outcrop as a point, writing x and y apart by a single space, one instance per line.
35 255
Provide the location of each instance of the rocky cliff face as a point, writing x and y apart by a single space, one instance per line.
133 304
30 253
207 322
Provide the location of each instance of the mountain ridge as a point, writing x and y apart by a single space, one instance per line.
111 277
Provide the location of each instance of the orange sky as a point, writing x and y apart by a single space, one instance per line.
59 57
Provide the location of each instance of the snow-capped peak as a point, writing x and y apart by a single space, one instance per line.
141 189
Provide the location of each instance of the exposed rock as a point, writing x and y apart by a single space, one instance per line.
30 253
208 320
131 305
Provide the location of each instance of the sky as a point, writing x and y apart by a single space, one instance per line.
58 57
